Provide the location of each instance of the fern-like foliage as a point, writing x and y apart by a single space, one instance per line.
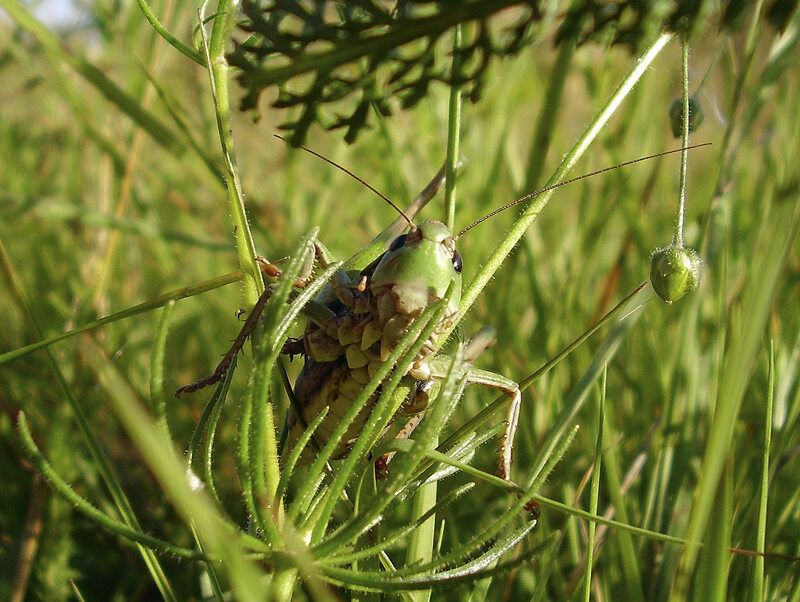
332 61
321 52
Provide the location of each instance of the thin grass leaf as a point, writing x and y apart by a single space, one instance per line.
160 301
391 539
294 455
211 430
211 408
761 536
475 569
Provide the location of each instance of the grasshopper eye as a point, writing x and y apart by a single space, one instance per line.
457 263
398 242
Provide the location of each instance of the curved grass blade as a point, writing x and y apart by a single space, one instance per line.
90 511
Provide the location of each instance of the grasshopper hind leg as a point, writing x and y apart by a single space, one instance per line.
473 349
510 388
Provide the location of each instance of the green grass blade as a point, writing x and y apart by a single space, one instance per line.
761 536
218 78
594 491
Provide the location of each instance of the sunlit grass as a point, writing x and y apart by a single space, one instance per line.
100 215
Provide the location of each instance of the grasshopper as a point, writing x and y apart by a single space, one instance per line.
354 324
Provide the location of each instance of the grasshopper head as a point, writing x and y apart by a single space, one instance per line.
418 268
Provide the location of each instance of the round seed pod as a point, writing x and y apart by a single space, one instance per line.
696 116
675 271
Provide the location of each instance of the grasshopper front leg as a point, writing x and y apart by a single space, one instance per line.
290 347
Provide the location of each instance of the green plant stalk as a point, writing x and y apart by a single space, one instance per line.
453 132
158 404
421 539
677 239
208 411
211 430
713 563
243 453
208 568
601 520
294 455
218 74
628 557
160 301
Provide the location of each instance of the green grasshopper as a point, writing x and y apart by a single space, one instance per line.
354 324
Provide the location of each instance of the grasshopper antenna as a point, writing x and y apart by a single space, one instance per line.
354 176
531 195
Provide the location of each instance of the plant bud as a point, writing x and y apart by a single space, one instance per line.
696 116
675 271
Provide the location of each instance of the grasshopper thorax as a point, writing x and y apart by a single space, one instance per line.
418 268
